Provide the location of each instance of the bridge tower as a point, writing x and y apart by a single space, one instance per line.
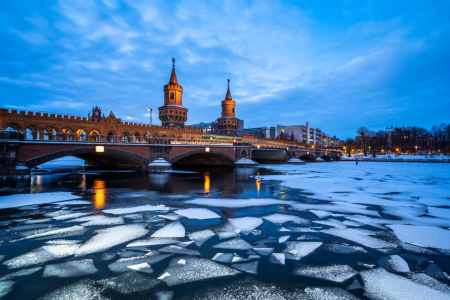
228 123
172 113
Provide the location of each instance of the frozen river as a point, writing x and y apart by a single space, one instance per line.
314 231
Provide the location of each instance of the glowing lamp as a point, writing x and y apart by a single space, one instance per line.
207 149
99 149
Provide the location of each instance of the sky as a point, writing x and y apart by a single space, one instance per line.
338 65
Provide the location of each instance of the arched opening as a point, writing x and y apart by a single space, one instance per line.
67 134
13 127
125 137
326 158
111 137
203 158
49 133
136 138
81 135
172 95
110 158
94 136
307 157
32 133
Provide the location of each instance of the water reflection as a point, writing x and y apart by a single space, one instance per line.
207 183
99 198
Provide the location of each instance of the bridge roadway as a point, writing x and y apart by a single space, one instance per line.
138 152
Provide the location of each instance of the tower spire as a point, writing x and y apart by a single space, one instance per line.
228 96
173 77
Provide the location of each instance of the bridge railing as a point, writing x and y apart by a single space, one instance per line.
101 138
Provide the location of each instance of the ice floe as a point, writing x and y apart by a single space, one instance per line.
430 282
71 216
121 265
144 267
172 230
277 258
251 267
235 244
363 237
298 250
195 269
238 203
73 202
344 249
110 237
283 218
73 268
131 282
179 250
425 236
40 255
84 289
197 213
98 220
329 293
200 237
6 287
393 263
223 257
56 232
18 200
154 242
134 209
380 284
246 224
334 273
24 272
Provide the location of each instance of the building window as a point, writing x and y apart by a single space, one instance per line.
172 95
233 110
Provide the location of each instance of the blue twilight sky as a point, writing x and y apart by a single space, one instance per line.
337 64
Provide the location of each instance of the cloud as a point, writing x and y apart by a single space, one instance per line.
375 65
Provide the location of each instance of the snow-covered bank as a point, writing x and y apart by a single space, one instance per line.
400 158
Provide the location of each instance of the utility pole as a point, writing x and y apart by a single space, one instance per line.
150 110
356 157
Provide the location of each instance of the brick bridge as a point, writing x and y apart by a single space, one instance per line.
29 139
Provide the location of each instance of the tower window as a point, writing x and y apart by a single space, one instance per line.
233 110
172 95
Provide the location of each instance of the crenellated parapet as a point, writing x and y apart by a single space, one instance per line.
36 121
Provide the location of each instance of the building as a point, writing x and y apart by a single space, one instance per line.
397 138
228 123
172 113
208 128
257 132
304 134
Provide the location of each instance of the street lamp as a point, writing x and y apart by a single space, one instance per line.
416 150
150 110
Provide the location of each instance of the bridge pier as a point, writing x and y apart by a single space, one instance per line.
8 154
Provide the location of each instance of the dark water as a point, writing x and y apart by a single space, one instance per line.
118 189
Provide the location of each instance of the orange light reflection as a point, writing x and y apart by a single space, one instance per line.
207 183
99 198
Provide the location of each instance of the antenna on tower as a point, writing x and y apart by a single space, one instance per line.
173 62
228 82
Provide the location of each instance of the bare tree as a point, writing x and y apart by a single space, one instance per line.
363 132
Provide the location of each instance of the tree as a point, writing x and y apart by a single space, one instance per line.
363 132
349 143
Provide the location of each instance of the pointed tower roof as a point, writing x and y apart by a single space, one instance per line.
173 77
228 96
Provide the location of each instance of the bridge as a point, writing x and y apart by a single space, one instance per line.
29 139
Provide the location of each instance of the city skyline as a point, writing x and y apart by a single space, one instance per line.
338 66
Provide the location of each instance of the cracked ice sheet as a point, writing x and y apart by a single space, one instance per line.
334 273
172 230
380 284
98 220
195 269
130 210
110 237
341 207
41 255
283 218
363 237
122 264
197 213
246 224
82 290
424 236
329 293
38 198
239 203
235 244
154 242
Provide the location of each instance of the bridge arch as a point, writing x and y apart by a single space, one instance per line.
307 157
203 157
108 157
326 158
